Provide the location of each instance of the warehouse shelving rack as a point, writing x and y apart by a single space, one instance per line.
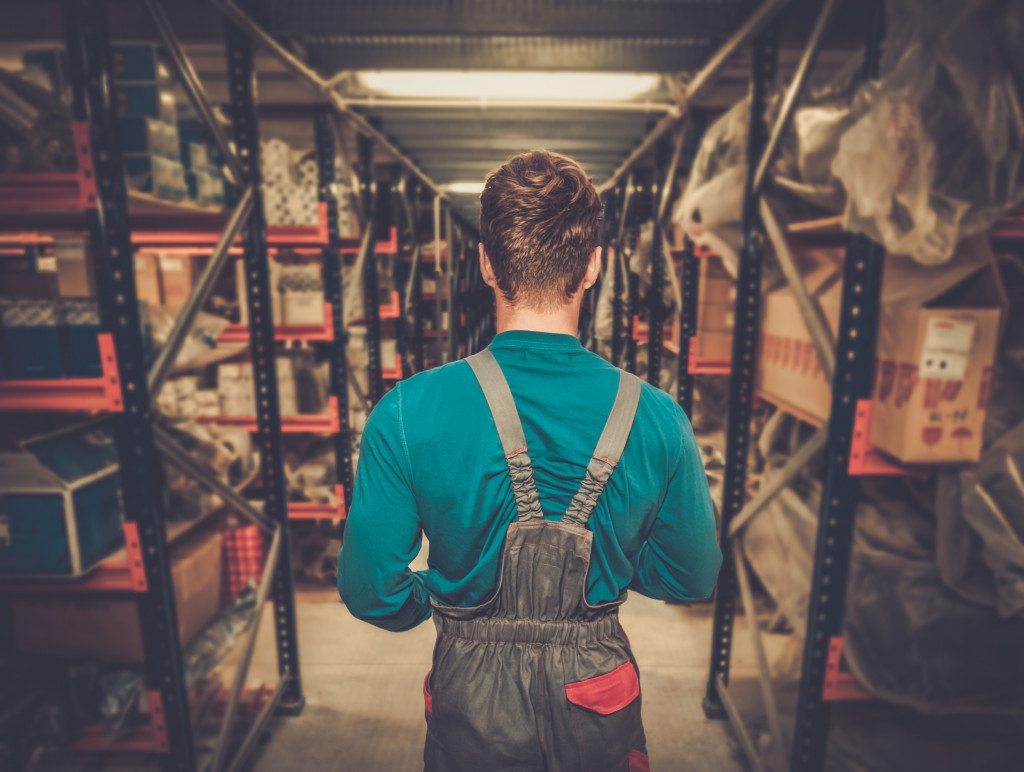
847 364
96 197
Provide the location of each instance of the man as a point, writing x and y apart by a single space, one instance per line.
531 668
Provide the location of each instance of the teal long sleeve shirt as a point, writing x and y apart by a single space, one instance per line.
431 463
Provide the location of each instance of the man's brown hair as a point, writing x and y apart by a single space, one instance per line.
540 220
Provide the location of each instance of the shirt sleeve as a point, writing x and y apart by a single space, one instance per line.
383 532
680 558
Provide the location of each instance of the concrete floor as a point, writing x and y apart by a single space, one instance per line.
364 699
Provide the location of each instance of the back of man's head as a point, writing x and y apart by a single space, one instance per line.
540 221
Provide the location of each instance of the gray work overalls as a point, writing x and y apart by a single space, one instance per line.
536 679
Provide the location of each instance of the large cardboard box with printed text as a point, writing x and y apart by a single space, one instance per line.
937 335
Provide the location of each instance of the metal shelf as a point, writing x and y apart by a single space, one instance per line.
101 394
301 510
239 333
318 423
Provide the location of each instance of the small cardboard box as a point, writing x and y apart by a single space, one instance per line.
147 278
142 135
937 336
177 275
157 175
108 629
60 504
146 100
716 301
75 275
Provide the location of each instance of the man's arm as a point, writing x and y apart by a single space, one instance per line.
681 557
383 532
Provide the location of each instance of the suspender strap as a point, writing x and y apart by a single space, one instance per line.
608 451
510 431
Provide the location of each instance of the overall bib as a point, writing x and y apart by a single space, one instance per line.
536 679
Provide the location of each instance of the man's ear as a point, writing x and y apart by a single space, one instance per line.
593 269
486 270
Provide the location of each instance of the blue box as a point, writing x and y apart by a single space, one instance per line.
139 62
148 136
81 328
60 504
147 100
153 174
32 338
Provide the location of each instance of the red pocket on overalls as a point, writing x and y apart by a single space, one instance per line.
608 693
428 701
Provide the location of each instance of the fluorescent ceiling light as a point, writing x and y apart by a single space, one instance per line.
509 84
469 187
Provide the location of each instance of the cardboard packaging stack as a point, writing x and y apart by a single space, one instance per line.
715 309
237 394
937 335
109 629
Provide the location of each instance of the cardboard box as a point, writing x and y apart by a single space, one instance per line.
31 338
146 100
154 174
938 329
139 62
147 278
193 155
177 274
141 135
108 629
60 504
75 275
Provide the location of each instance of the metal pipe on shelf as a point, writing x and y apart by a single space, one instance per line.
757 21
814 318
242 670
194 88
160 368
180 458
793 92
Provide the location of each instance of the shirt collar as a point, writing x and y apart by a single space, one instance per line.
531 339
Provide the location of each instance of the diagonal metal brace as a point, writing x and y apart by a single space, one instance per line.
789 101
242 671
796 462
179 457
194 88
204 285
814 319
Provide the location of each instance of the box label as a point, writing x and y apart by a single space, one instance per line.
5 532
947 346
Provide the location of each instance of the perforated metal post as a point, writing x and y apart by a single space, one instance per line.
334 294
632 280
88 47
855 355
690 277
741 384
242 86
656 291
375 200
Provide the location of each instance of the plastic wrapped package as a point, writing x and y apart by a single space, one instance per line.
908 637
210 647
917 160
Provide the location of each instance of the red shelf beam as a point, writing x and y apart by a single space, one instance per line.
239 333
151 738
319 423
122 572
389 247
69 394
841 685
54 191
302 510
699 365
208 233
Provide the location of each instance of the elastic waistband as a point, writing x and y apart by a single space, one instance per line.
533 631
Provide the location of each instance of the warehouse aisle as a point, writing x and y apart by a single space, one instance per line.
364 705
